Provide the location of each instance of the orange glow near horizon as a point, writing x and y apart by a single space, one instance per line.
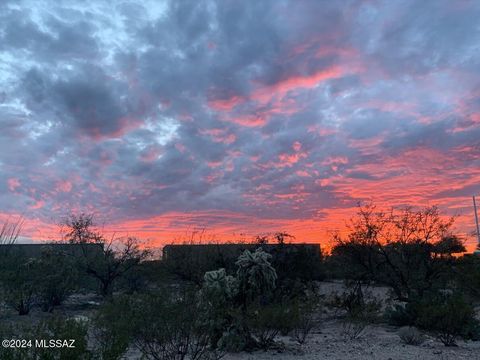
162 230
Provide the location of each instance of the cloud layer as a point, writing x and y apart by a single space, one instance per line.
242 117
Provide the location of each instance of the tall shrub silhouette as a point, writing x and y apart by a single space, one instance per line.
448 317
112 259
409 250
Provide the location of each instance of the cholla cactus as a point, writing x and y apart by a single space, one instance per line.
255 274
219 283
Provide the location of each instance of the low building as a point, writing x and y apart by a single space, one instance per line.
230 251
301 261
36 250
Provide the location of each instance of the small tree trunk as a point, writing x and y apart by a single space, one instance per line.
106 289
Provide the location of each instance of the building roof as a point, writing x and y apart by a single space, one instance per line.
36 250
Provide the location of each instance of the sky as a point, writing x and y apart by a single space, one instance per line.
237 117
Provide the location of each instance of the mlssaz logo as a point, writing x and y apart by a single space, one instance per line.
52 343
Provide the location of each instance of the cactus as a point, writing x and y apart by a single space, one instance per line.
255 274
219 283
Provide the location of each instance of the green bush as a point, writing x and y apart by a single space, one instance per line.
448 316
468 275
56 328
266 322
19 285
304 318
56 276
171 327
401 315
46 281
113 328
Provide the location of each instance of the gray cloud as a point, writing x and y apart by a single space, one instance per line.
266 109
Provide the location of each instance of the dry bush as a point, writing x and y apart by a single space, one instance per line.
411 335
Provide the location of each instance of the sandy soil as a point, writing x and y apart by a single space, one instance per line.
381 341
377 342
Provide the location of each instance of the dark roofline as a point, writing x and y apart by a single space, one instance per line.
242 244
53 243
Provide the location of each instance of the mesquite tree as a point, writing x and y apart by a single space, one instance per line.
110 259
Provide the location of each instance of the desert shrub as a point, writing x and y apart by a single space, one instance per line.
300 300
117 258
19 285
402 314
266 322
411 336
62 328
134 281
448 316
356 322
355 303
8 331
304 318
47 280
51 329
360 310
56 278
290 316
171 327
467 271
353 328
233 340
113 328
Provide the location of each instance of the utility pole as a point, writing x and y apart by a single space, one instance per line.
477 251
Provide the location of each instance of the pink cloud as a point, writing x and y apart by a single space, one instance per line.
64 186
13 184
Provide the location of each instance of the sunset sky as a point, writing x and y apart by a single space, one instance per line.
241 117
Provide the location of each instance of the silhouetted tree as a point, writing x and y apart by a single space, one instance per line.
281 236
408 250
81 229
112 258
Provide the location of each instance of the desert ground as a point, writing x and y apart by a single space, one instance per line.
328 340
